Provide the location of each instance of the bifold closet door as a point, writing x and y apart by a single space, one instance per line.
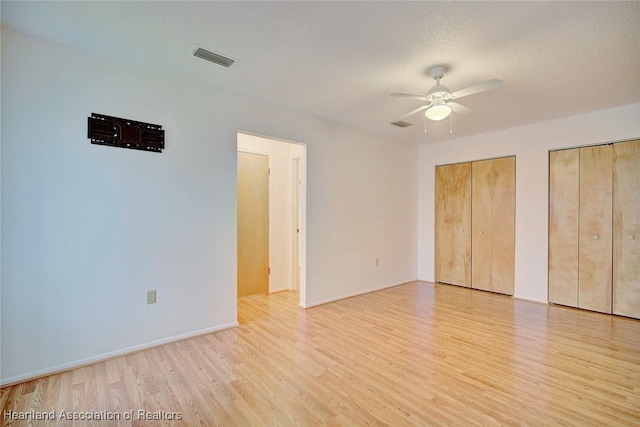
493 225
564 206
595 228
453 224
580 227
626 238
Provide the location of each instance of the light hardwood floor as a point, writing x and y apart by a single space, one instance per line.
417 354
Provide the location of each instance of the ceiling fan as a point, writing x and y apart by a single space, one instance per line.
440 100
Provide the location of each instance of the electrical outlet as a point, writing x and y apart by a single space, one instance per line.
151 297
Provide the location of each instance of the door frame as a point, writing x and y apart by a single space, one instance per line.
302 200
295 262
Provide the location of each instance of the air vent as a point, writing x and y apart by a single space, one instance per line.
213 57
401 124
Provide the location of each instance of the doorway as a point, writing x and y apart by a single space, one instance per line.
285 219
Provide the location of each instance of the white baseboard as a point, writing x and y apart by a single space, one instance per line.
110 355
355 294
273 291
535 301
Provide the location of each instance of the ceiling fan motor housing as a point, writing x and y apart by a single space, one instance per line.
438 91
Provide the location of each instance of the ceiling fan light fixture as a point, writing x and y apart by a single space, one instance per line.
439 102
438 111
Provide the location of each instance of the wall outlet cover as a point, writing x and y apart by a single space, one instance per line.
151 297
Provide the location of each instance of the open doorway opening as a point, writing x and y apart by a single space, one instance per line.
276 168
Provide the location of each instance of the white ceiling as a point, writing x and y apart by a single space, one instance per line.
342 60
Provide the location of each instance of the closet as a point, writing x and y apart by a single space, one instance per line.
594 227
475 224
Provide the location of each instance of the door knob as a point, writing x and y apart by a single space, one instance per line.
461 231
630 237
482 232
596 237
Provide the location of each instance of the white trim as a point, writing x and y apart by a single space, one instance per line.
279 290
302 203
295 226
273 138
533 301
110 355
355 294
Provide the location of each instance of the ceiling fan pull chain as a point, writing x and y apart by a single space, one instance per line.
425 124
451 124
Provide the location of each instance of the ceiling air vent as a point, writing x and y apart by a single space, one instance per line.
213 57
401 124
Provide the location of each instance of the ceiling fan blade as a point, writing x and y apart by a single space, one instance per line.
460 109
408 95
480 87
417 110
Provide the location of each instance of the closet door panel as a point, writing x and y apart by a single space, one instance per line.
493 225
503 227
626 223
483 180
595 236
453 223
564 192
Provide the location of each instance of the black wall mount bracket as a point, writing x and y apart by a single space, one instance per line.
125 133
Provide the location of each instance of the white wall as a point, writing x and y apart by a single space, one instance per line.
281 224
531 145
87 229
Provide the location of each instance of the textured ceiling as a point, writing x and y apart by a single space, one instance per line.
342 60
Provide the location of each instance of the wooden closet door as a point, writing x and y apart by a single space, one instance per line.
453 221
493 225
504 204
564 205
595 236
626 223
483 179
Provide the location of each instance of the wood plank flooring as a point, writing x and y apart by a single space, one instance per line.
417 354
